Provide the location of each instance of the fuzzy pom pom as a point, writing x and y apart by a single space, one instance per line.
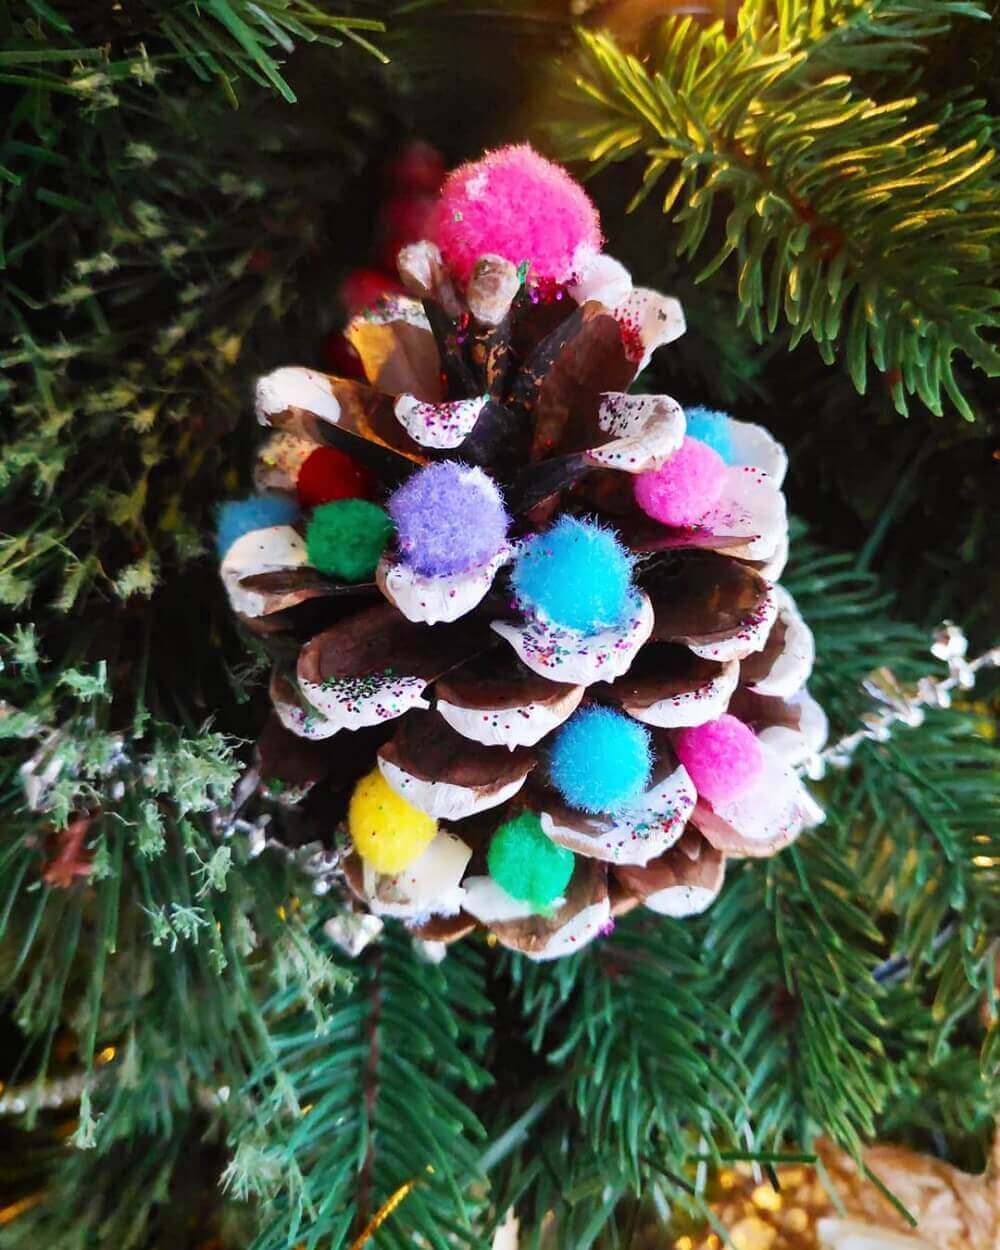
404 219
526 863
449 518
685 487
328 474
515 204
346 538
576 575
257 512
388 833
723 757
364 287
601 760
417 167
710 427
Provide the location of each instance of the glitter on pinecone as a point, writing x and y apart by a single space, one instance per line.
448 666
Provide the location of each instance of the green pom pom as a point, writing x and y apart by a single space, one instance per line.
527 864
346 538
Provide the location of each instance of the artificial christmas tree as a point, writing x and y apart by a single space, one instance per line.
191 1054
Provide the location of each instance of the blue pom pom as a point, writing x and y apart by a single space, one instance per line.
601 760
576 575
257 512
710 427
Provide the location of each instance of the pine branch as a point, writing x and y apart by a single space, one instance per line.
869 224
370 1107
224 40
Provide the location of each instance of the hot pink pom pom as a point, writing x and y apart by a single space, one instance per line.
681 491
722 758
515 204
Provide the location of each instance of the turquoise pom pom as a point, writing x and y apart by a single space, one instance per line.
257 512
712 428
576 575
601 760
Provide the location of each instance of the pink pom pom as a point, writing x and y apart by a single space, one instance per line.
515 204
722 758
681 491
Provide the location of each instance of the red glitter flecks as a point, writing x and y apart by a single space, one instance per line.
631 336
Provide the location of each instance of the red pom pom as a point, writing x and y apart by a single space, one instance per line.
364 287
418 167
404 219
328 474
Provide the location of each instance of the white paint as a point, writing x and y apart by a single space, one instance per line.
434 599
565 655
744 641
791 670
443 799
749 508
294 386
601 278
575 934
442 426
657 319
762 819
638 833
274 549
754 445
645 431
690 707
429 886
680 900
491 904
511 727
339 704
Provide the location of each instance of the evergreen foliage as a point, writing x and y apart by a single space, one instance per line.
247 1084
857 210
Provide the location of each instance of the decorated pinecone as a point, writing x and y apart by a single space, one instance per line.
532 668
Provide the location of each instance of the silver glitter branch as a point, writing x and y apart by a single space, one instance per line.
907 704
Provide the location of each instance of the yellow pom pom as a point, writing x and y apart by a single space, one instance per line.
388 833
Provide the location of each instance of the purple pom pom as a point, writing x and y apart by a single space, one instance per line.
449 518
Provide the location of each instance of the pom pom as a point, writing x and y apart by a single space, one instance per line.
419 166
526 863
449 518
404 219
345 539
388 833
722 757
241 516
711 428
682 489
328 474
515 204
600 760
364 287
576 575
